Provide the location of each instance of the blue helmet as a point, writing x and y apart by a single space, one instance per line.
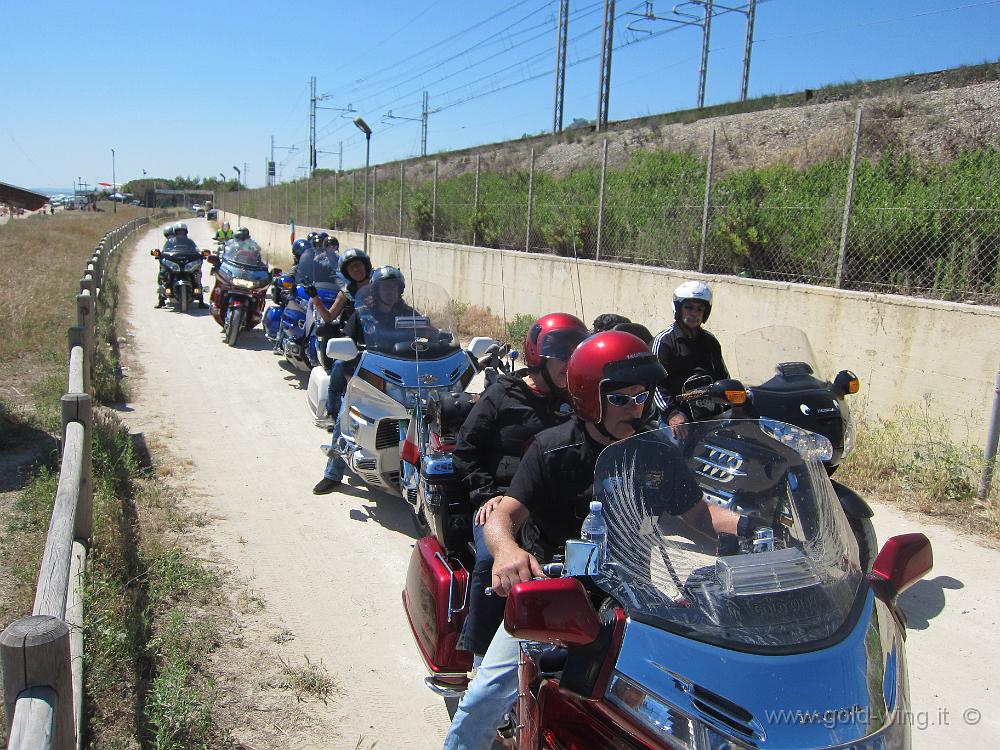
299 247
382 273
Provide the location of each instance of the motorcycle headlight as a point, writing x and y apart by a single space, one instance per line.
245 283
665 721
406 396
193 265
170 264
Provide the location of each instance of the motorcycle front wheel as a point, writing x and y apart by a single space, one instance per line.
185 299
234 324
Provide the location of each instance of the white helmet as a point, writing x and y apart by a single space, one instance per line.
692 290
180 226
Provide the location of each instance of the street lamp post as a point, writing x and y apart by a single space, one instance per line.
113 188
363 127
146 197
239 191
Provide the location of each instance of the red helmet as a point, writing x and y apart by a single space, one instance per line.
604 362
553 335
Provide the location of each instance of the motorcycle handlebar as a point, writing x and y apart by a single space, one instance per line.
551 570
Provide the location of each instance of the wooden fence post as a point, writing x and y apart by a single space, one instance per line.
34 653
77 338
85 319
78 407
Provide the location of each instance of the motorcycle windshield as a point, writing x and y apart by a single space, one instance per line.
244 274
761 351
409 323
314 267
789 580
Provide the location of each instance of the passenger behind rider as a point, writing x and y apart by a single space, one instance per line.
382 304
609 378
356 268
686 347
492 440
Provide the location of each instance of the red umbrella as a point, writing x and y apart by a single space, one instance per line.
105 184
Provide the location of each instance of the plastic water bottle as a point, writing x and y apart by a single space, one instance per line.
595 530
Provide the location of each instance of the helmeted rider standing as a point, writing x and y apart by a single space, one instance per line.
686 348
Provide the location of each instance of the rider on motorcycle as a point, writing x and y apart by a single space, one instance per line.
223 233
245 251
610 378
356 267
241 234
178 242
492 440
686 347
382 304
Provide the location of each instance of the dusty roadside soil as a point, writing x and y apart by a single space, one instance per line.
328 570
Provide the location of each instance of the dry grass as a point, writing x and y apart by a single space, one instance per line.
910 461
36 303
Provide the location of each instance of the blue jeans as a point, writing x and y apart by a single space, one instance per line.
490 695
485 612
339 373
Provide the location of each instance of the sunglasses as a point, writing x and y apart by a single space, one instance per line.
693 306
623 399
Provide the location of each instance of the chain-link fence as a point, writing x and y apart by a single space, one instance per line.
860 210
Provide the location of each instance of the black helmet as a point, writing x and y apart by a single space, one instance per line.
321 238
333 242
242 234
168 230
354 253
313 238
607 322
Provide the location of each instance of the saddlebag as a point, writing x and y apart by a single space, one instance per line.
436 602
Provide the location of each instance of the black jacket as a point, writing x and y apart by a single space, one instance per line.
497 432
681 354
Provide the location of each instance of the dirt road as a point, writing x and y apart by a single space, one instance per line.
331 568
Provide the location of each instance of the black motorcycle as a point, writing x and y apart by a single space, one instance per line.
791 390
179 279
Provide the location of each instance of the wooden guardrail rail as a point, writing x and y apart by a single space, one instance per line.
42 655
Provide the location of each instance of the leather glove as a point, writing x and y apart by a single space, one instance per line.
311 291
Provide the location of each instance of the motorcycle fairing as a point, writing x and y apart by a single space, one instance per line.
827 698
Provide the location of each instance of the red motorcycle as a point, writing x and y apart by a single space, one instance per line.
240 292
657 638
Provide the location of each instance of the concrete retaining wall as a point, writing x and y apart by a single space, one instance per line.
906 351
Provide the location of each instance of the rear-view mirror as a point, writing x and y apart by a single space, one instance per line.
155 253
902 561
729 392
343 349
553 610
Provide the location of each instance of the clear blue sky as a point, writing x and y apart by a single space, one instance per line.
194 88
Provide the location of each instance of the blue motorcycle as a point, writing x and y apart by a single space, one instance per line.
292 323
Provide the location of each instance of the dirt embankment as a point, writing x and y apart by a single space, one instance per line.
933 116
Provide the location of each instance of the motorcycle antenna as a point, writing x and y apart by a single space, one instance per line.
503 294
579 286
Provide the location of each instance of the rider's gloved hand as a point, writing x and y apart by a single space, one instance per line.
311 291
